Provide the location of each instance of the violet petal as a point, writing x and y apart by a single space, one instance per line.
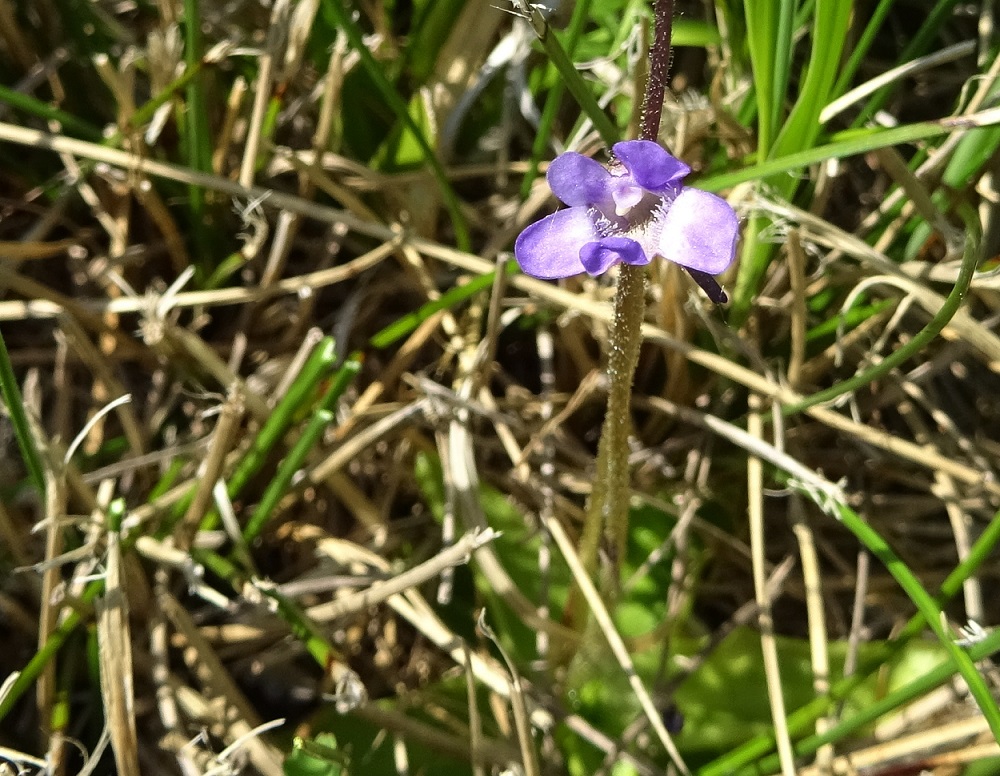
597 257
579 180
699 231
650 165
550 248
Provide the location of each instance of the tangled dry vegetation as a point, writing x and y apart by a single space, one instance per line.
277 409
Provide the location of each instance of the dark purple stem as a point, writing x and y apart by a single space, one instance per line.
659 64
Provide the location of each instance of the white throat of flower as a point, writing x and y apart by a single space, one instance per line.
632 212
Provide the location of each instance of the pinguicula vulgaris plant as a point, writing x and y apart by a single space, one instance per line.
628 213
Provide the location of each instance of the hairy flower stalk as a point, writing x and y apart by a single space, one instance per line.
627 214
609 503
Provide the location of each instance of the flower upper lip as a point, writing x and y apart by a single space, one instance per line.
635 211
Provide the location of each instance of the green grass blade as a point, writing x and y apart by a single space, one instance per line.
279 484
970 261
800 130
340 18
316 368
918 45
863 46
11 396
429 30
553 100
844 144
609 133
695 32
832 20
453 296
318 423
43 110
892 701
48 650
145 112
305 630
848 321
763 25
803 719
931 612
782 62
197 140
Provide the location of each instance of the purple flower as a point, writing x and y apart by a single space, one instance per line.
631 212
